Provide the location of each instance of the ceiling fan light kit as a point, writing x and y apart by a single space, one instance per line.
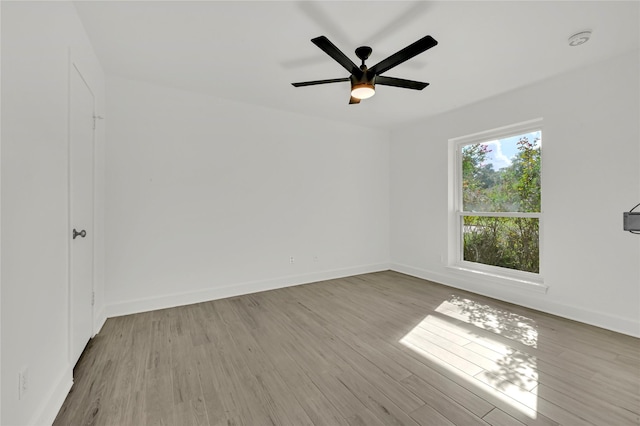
364 79
363 90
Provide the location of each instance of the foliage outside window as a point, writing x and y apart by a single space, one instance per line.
499 196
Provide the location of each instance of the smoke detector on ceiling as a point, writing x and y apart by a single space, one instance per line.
579 38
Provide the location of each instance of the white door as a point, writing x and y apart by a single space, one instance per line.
81 120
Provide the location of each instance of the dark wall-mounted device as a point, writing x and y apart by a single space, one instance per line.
631 220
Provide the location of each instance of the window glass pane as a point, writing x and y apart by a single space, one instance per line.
502 175
507 242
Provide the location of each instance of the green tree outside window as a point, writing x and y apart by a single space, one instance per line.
508 242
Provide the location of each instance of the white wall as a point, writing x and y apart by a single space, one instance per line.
38 39
591 144
208 198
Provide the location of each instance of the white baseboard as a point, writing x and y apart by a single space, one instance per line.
99 320
50 408
497 291
187 298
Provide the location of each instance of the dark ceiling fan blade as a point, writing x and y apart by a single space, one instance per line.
354 100
400 82
405 54
313 83
330 49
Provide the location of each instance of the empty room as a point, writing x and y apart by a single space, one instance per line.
320 213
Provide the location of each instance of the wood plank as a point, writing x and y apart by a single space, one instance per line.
373 349
429 416
303 389
188 400
158 390
324 370
589 408
358 363
359 384
446 406
497 417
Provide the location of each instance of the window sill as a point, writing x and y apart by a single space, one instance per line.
536 286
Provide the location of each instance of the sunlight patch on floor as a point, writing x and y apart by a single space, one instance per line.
508 324
452 339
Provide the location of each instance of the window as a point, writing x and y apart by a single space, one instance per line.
497 201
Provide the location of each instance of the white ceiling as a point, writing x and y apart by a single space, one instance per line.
250 51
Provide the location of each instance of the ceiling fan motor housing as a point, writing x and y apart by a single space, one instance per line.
365 78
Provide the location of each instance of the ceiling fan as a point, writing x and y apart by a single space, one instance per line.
364 79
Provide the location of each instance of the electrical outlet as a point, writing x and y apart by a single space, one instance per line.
23 382
291 260
315 258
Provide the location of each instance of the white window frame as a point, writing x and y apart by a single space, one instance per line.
455 258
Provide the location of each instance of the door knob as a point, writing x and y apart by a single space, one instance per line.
82 233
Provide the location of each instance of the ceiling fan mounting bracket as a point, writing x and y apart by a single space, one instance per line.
363 52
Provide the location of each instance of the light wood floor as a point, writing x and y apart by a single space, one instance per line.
374 349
